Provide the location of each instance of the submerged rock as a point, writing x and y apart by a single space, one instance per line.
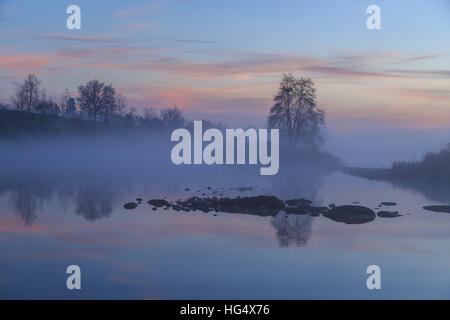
260 205
351 214
388 214
130 205
270 206
315 211
388 203
438 208
297 210
159 203
299 202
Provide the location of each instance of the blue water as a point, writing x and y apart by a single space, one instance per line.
145 254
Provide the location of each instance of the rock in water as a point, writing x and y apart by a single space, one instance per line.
259 205
299 202
388 214
130 205
388 203
441 208
351 214
159 203
297 210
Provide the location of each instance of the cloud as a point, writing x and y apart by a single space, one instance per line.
81 38
24 62
240 65
193 41
134 11
250 64
388 57
242 77
135 26
415 72
428 94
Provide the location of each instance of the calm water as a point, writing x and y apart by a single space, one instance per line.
147 254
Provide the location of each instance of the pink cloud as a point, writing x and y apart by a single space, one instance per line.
134 11
27 62
135 26
66 37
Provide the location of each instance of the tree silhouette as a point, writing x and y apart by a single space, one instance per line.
295 111
71 109
26 97
93 202
292 229
45 105
172 118
96 98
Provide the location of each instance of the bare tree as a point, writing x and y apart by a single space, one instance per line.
71 109
45 105
149 114
64 99
121 105
27 94
172 118
295 111
96 98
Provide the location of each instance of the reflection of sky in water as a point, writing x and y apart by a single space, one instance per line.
146 254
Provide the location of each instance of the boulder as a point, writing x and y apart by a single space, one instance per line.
130 205
259 205
351 214
159 203
298 202
388 203
388 214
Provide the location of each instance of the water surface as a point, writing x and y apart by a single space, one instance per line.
163 254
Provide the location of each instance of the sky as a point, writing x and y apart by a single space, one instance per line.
223 60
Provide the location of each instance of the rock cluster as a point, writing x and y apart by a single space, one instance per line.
270 206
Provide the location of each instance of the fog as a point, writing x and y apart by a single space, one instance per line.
380 148
141 161
131 158
100 171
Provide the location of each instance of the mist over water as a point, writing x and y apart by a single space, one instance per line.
61 202
380 148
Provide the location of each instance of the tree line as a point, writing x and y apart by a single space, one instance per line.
96 101
295 111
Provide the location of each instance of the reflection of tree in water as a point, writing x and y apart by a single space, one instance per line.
26 200
93 202
433 191
297 182
292 229
26 204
